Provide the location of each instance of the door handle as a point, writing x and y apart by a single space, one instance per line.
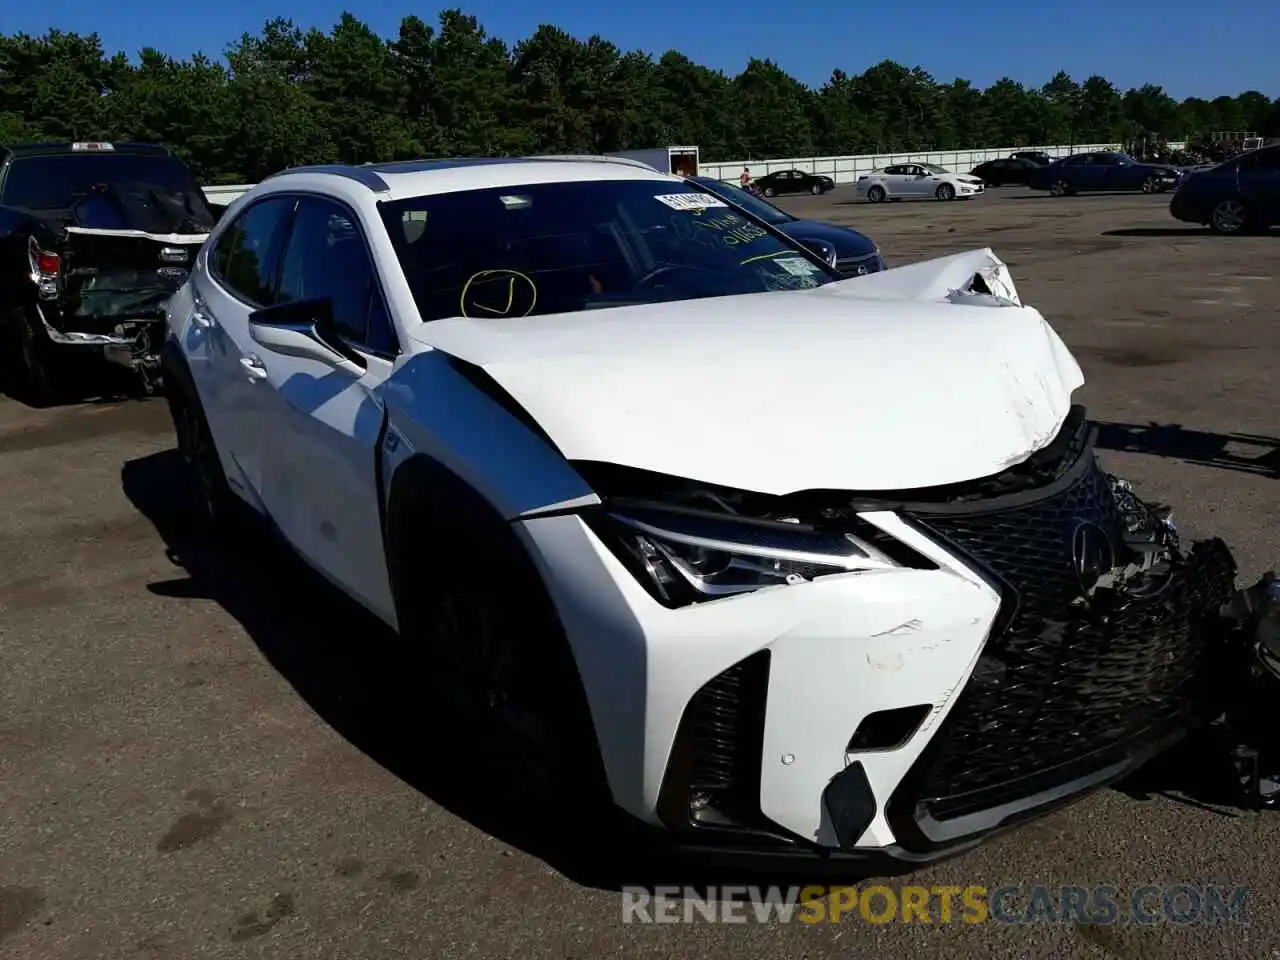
254 368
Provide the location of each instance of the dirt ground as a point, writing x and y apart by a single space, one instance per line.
207 753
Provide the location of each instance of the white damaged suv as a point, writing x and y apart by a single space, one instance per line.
796 563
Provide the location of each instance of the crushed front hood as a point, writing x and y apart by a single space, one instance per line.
897 380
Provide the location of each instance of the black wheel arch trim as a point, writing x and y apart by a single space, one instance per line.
423 487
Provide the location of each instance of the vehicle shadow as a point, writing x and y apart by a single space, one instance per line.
79 382
350 668
375 691
1228 451
1159 232
1197 773
1091 195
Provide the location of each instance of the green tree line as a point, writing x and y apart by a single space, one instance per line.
287 96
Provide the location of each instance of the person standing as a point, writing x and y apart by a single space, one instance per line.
745 179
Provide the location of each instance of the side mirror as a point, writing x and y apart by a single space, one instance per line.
305 328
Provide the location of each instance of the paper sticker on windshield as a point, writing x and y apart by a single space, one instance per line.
796 266
690 201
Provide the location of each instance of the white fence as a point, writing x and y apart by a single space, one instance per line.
841 169
848 169
224 194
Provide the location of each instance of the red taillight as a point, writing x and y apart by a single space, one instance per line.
48 264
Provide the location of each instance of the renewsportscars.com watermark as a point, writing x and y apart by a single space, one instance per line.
1009 904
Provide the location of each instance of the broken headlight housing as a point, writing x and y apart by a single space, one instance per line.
684 556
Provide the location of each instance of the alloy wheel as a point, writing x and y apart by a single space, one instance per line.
1229 216
484 660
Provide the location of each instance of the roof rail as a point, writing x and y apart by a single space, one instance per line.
360 174
594 158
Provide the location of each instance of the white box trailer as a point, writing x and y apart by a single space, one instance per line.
681 161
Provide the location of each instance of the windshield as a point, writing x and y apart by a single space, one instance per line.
56 182
749 202
934 168
562 247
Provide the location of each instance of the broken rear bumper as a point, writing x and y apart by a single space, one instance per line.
131 343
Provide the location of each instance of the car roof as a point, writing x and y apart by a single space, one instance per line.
415 178
58 147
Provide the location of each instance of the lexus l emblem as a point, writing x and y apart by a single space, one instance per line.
1092 555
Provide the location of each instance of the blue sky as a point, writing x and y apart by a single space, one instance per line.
1188 47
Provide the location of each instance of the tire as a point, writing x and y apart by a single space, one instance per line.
816 189
769 192
1151 185
1230 218
875 194
945 192
494 647
32 368
1059 188
214 504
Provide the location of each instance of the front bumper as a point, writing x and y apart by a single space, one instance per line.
890 717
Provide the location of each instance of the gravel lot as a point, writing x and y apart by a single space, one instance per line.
192 765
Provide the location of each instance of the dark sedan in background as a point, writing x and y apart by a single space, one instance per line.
779 183
855 254
998 173
1239 196
1103 172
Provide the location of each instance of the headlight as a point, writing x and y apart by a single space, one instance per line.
686 556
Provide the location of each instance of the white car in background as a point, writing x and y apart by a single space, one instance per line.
514 408
916 181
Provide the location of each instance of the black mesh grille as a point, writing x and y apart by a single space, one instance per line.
1057 683
713 776
726 716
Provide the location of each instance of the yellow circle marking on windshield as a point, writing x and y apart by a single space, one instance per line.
498 293
766 256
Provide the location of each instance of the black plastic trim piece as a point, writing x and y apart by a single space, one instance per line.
850 804
908 721
920 832
741 817
361 175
